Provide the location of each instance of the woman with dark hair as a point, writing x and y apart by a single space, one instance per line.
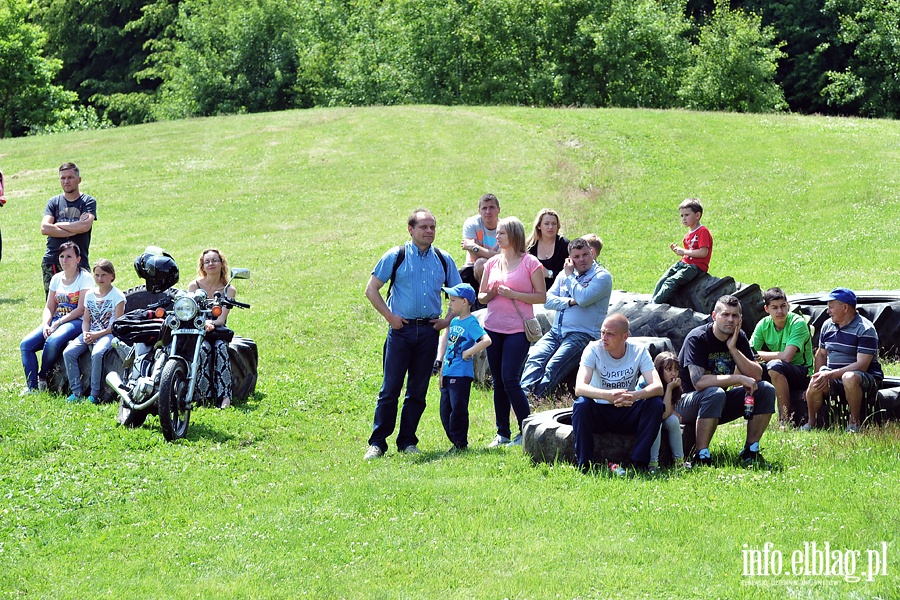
512 283
61 321
545 244
214 371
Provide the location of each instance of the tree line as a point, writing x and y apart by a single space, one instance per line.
67 64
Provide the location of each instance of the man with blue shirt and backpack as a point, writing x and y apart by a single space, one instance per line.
417 272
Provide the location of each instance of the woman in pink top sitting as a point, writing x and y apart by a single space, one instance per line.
511 279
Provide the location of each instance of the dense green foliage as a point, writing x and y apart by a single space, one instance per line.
871 80
272 498
137 61
28 97
734 65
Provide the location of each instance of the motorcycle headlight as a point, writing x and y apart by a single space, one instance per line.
185 308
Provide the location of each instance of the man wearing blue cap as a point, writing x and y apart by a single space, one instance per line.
417 271
847 358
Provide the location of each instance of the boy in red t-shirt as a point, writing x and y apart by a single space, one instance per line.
695 254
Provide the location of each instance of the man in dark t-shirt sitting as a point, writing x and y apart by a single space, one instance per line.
68 218
717 373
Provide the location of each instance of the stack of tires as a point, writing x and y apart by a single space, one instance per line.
882 308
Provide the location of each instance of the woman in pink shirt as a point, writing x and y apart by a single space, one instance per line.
512 279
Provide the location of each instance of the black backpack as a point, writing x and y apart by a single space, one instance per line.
401 256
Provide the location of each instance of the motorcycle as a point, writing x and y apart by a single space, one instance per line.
163 342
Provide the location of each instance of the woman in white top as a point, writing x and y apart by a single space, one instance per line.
214 371
61 320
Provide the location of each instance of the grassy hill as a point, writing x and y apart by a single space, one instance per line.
273 500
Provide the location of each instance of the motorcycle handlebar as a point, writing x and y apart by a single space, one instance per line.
231 302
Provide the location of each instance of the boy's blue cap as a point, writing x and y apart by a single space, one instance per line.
842 294
461 290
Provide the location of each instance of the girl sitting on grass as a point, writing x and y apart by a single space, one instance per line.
103 305
667 367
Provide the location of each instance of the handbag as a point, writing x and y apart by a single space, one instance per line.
220 333
533 331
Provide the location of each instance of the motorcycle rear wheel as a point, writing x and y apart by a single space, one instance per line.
173 388
131 418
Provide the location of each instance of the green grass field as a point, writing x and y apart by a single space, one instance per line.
272 499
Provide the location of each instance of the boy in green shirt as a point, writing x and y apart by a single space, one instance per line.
782 344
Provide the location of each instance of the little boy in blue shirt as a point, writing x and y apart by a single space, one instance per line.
464 338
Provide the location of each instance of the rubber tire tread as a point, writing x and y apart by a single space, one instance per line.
131 418
168 395
244 367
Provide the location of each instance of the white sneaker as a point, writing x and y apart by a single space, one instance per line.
499 440
411 449
28 391
373 452
516 441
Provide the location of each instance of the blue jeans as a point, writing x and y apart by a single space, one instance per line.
455 409
642 418
53 347
551 359
506 357
75 349
410 350
673 427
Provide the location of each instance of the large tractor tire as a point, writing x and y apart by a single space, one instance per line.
648 319
882 308
548 437
244 364
701 294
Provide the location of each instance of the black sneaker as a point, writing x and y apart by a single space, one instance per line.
750 458
696 459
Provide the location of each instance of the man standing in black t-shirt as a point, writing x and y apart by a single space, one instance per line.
68 218
718 371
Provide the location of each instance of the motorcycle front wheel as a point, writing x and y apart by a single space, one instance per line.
173 388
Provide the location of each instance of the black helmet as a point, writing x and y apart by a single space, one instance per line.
157 268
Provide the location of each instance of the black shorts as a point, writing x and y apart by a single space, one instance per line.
797 376
868 382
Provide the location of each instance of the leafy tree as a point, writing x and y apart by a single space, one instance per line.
370 66
811 48
871 81
28 98
734 64
228 59
103 45
639 54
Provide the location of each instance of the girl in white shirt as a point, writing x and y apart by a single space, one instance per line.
103 305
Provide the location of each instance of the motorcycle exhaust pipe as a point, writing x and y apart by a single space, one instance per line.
115 382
